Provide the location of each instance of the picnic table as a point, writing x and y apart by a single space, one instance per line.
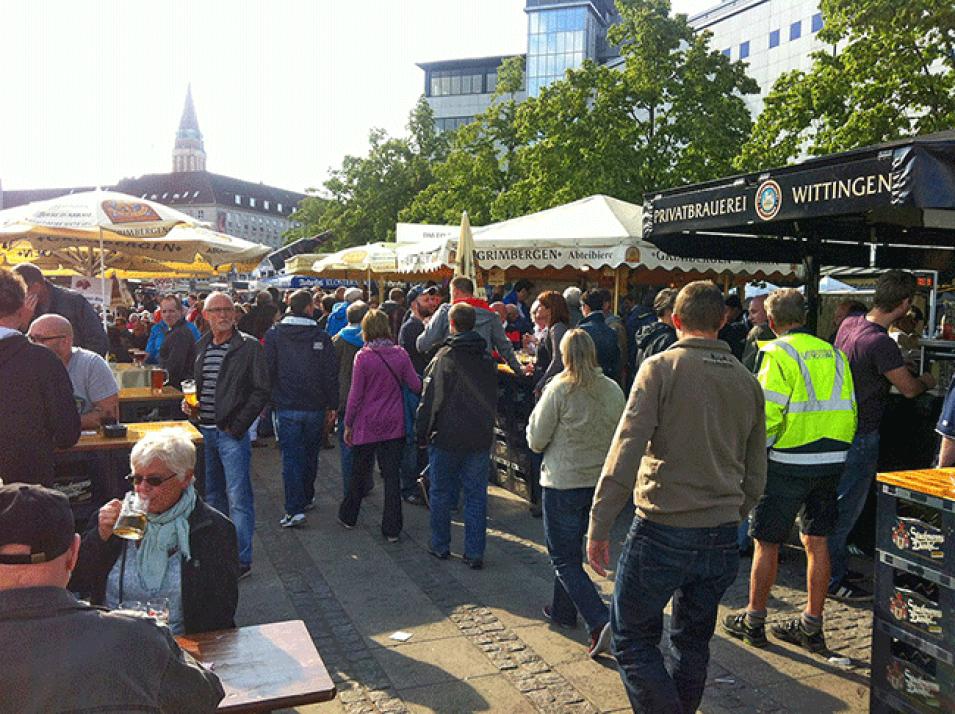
263 667
142 404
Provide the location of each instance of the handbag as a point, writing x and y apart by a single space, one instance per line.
409 401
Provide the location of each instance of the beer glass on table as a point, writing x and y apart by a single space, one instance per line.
189 392
158 378
131 523
158 609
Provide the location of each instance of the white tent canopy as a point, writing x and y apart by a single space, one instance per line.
593 232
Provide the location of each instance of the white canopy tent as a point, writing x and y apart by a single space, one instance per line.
591 233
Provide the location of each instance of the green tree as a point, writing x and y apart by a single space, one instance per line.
890 74
361 199
479 165
672 114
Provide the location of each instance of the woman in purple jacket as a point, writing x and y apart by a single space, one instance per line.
375 420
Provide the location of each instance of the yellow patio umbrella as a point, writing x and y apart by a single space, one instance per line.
464 264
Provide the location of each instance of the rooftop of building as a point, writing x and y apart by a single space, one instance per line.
491 61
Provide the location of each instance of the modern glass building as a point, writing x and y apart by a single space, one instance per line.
771 36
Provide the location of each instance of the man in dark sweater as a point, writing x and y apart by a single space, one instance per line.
456 415
605 339
304 372
37 412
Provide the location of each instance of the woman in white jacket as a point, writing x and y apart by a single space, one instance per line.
573 425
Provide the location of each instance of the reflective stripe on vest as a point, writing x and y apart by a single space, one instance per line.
834 404
824 457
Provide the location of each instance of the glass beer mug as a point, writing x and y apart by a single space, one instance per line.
189 392
158 378
131 523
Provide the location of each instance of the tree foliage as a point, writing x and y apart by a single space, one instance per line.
890 74
361 199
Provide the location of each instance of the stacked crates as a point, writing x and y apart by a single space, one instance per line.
510 456
913 641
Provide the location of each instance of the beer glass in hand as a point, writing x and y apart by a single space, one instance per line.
131 523
189 392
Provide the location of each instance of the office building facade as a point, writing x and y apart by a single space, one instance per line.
771 36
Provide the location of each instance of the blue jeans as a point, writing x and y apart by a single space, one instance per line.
566 515
861 464
452 472
694 566
300 438
346 456
229 485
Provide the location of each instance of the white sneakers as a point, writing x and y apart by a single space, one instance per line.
288 521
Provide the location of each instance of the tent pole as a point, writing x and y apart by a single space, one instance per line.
616 289
102 276
811 264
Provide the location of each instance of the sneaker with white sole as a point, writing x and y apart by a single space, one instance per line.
288 521
847 592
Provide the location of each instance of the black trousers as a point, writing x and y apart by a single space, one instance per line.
389 462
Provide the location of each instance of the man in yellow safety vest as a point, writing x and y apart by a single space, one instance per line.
810 424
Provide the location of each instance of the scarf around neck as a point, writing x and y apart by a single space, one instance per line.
164 532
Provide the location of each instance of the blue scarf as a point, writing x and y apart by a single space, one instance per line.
164 532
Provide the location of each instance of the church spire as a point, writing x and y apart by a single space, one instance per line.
189 154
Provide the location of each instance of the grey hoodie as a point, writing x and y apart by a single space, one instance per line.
487 325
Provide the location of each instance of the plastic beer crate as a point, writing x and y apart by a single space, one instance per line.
906 677
916 517
919 601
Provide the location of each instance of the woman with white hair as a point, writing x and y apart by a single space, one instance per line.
188 554
573 425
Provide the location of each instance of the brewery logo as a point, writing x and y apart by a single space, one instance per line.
769 199
898 607
129 212
632 255
895 675
900 536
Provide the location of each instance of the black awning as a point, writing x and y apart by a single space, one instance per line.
303 245
896 194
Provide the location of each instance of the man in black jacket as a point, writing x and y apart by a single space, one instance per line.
61 654
658 336
88 330
303 369
177 353
37 411
232 381
605 339
456 415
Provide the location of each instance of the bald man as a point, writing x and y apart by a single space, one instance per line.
94 388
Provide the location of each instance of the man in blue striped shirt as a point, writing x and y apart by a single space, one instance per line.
232 381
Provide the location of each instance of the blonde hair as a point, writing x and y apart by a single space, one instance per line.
579 354
375 326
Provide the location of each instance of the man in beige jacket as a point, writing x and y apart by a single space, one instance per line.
691 449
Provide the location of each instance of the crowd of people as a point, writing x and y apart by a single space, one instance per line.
719 425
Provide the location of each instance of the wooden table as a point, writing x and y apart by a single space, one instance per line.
141 404
263 667
92 471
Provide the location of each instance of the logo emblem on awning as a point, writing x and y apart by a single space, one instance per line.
769 199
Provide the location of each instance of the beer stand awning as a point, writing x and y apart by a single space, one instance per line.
890 205
591 233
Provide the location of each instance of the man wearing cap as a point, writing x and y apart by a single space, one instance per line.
37 414
338 319
59 653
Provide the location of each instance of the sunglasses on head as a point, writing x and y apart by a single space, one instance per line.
154 481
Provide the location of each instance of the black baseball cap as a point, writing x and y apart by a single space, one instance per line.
421 289
35 516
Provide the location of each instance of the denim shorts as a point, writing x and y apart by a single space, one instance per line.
811 498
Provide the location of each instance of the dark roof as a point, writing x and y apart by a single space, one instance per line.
11 199
186 188
493 61
303 245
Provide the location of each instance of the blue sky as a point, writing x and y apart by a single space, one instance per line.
283 89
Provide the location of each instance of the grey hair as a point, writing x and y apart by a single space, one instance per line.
572 296
172 446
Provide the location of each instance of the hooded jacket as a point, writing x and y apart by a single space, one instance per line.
303 366
459 396
37 411
337 319
487 325
88 331
375 410
653 339
347 343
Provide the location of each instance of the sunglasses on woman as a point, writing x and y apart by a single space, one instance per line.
154 481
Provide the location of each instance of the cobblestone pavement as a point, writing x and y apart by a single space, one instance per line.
478 641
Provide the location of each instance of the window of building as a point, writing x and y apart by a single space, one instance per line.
795 30
175 195
559 39
490 82
279 208
238 200
200 214
451 123
251 202
744 49
266 205
774 39
447 82
817 22
727 52
165 195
